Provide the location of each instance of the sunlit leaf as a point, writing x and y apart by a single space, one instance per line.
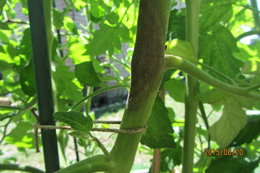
233 119
180 48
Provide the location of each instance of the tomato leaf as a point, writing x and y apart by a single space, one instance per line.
180 48
75 119
86 74
231 122
159 133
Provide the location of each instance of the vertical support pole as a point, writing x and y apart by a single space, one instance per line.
43 83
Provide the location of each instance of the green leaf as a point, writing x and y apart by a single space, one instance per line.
216 48
58 17
233 119
214 13
180 48
5 65
75 119
21 135
249 132
230 164
170 158
176 28
86 74
27 80
176 89
107 38
64 84
4 25
2 4
159 133
78 4
213 97
79 134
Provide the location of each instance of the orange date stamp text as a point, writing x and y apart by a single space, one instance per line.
224 152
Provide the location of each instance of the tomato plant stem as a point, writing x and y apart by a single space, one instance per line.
191 102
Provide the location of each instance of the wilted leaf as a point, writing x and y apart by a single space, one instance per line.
75 119
228 126
159 133
86 74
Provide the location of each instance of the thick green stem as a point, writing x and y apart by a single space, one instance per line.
147 70
191 102
184 65
93 164
15 167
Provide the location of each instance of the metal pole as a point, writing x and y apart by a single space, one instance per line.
43 83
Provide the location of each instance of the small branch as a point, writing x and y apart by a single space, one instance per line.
16 22
106 122
5 130
186 66
246 34
253 87
89 165
100 145
36 140
205 119
9 107
16 167
76 148
97 93
219 73
34 114
128 131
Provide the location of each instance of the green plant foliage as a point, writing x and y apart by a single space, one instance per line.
176 89
249 132
159 133
75 119
97 53
180 48
170 158
231 164
27 80
176 28
86 74
231 122
2 4
20 135
213 97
